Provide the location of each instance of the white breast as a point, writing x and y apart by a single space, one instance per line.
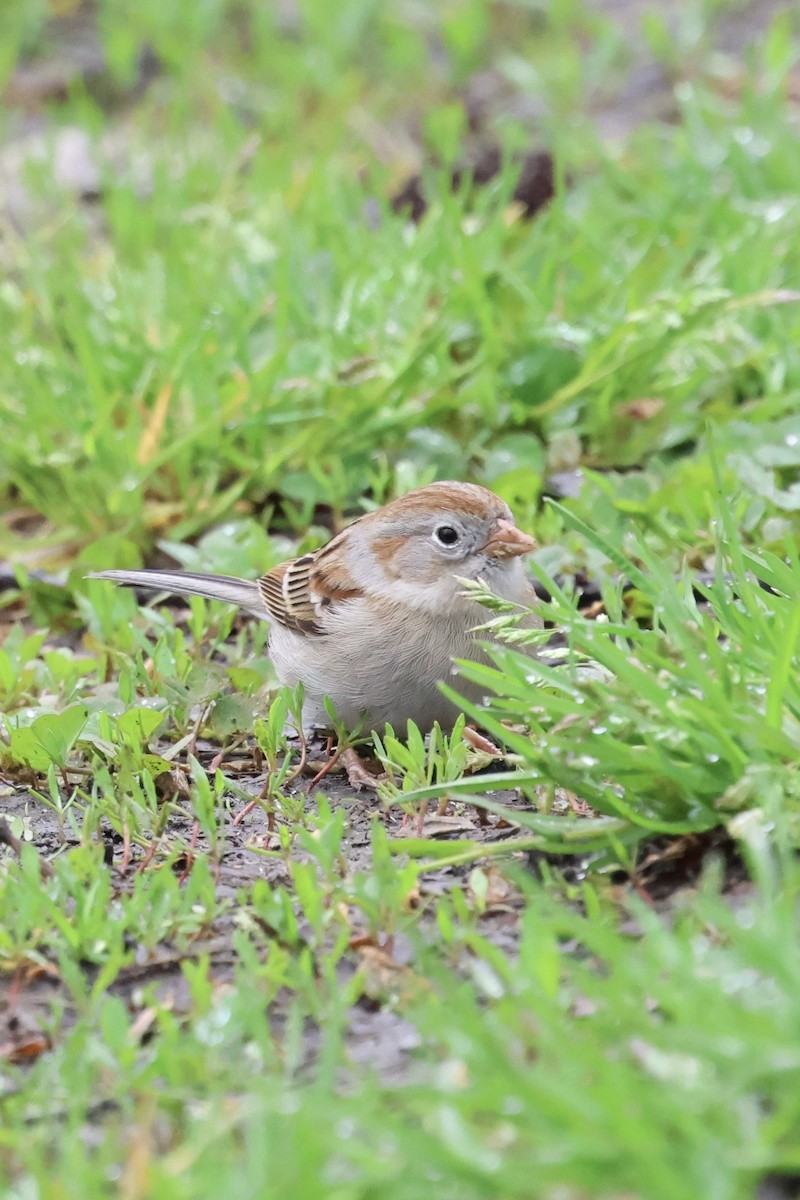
378 673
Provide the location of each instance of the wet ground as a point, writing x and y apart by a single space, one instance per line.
248 850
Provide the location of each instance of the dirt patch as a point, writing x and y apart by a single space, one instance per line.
36 1006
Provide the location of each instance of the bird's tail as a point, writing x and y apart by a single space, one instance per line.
242 592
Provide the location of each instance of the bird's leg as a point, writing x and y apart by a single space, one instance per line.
479 741
578 806
358 773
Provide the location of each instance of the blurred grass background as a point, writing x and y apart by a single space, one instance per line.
234 323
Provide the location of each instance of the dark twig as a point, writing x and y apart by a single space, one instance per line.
7 839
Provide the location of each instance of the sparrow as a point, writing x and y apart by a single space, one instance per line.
375 618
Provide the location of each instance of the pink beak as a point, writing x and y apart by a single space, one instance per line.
508 542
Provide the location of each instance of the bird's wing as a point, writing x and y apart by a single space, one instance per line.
286 592
297 593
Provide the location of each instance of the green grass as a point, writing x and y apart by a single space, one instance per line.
235 348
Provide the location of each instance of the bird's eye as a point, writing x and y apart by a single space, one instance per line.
447 535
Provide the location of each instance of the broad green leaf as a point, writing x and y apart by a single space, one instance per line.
49 739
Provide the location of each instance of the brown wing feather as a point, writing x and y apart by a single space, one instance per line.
296 592
286 591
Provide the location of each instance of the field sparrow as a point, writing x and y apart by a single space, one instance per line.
375 617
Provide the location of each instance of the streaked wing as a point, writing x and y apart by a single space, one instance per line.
286 591
298 592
